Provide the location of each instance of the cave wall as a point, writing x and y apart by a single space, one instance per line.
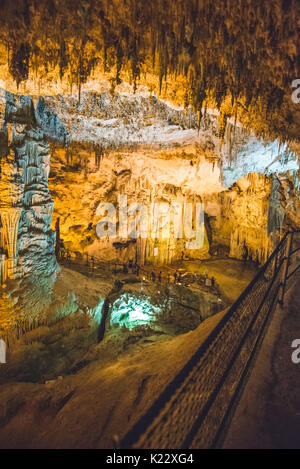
236 218
239 219
144 176
84 175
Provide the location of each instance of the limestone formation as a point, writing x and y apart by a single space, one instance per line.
27 241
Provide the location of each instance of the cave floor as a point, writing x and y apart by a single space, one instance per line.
232 275
63 389
111 387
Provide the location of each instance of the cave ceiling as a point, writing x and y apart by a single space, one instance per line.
239 56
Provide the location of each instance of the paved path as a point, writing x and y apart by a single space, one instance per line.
268 414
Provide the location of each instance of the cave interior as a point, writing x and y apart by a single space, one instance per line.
149 166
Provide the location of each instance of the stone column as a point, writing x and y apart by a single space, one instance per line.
10 223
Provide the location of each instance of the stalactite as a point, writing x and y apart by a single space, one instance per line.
276 213
240 57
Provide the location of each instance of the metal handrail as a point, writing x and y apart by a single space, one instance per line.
295 251
282 254
93 262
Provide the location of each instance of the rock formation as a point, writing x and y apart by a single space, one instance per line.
247 199
27 241
234 184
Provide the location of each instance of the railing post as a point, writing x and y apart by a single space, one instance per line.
286 267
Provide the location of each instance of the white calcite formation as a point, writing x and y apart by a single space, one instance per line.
27 242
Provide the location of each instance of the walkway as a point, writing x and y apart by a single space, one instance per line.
268 414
